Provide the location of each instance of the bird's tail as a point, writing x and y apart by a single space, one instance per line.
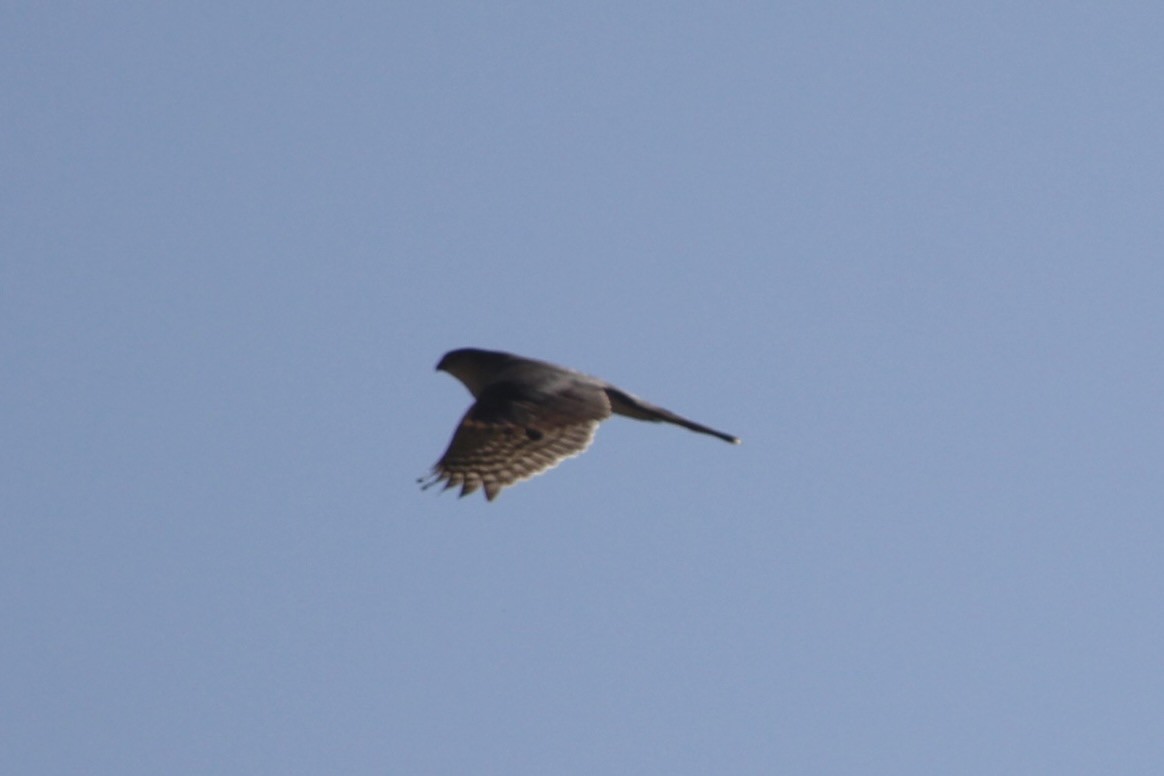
622 403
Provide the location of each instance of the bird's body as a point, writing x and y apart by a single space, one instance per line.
528 416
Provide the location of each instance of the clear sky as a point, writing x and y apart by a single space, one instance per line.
912 253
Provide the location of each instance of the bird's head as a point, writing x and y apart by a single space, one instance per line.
473 367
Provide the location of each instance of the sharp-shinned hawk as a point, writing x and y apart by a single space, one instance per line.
528 417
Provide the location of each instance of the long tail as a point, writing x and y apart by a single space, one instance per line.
622 403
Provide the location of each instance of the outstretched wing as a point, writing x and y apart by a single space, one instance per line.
511 434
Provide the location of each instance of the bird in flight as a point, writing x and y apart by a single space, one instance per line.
528 417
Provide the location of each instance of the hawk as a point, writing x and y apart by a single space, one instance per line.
528 417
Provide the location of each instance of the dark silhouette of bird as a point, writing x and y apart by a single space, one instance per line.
528 417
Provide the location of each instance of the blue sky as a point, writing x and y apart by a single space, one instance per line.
910 252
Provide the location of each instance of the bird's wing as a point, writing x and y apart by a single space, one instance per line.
510 434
